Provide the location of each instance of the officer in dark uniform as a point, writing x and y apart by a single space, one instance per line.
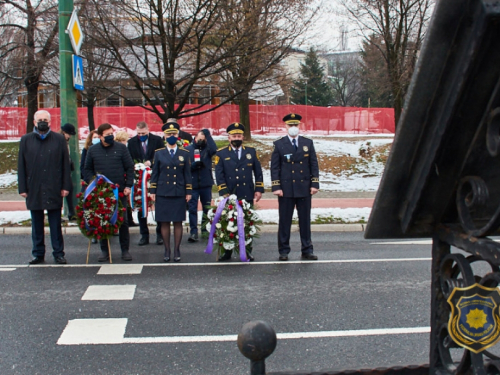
295 179
171 186
234 166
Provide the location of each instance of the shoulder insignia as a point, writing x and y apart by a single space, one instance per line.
222 148
163 148
216 159
183 149
306 137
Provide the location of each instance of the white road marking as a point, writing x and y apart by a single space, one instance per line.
116 271
109 293
112 331
120 269
417 242
6 269
93 332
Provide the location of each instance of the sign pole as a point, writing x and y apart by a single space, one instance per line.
68 93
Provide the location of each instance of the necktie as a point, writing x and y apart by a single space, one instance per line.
144 147
237 153
294 143
172 153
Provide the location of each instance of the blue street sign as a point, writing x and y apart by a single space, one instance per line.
78 73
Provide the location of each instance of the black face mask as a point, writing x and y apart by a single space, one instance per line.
200 144
42 126
237 143
109 139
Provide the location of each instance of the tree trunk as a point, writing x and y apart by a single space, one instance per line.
90 115
31 84
244 106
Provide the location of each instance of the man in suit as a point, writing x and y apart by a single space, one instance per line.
295 179
235 167
142 148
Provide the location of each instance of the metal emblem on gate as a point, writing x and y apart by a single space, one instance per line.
475 320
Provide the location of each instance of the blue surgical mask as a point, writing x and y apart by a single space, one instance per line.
143 138
95 141
172 140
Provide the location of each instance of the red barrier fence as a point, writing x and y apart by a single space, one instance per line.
265 120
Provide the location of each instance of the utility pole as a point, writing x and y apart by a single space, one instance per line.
67 92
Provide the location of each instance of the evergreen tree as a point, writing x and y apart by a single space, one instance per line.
311 83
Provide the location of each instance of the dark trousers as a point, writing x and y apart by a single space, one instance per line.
143 226
37 233
69 203
123 233
205 196
286 207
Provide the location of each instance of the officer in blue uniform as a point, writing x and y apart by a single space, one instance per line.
295 179
235 167
171 187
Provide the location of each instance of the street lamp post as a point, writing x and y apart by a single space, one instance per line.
67 92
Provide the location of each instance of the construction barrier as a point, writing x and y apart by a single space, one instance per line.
264 120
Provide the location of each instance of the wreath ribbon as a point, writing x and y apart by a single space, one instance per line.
91 188
144 193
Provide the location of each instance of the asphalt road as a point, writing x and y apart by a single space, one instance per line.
361 287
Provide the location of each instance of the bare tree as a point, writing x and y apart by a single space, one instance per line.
169 51
264 34
397 29
345 78
31 28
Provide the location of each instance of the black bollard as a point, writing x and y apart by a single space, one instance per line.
257 341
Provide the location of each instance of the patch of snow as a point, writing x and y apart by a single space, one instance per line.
14 217
346 215
8 179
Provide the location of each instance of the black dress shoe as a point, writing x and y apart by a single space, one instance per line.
94 240
283 257
132 224
250 257
309 257
60 260
193 237
226 256
177 259
104 257
126 256
159 240
166 256
143 241
37 260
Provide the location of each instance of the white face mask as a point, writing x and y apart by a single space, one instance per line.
293 131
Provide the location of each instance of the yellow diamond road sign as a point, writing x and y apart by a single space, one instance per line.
75 32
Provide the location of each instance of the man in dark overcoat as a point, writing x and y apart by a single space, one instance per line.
142 149
44 180
295 179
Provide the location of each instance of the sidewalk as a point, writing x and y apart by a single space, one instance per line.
264 204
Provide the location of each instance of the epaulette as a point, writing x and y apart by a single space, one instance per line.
306 137
183 149
222 148
163 148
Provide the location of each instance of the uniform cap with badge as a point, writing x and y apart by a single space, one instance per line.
292 119
236 128
170 128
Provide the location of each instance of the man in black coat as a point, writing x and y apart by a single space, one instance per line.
44 179
295 179
142 149
112 160
201 173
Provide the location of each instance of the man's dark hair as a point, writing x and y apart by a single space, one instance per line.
103 127
141 125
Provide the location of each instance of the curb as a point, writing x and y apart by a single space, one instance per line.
263 229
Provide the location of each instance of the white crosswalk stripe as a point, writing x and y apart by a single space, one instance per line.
109 293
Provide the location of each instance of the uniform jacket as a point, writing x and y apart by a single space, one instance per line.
294 172
135 148
113 161
202 176
171 177
43 170
235 176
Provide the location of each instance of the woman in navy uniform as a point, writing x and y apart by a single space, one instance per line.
171 188
235 166
295 179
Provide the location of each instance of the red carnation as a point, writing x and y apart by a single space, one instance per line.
120 218
121 195
220 243
230 206
101 193
251 223
83 183
79 195
231 219
231 235
240 202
